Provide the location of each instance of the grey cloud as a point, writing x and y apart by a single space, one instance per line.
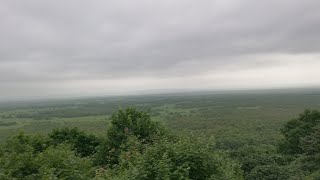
43 41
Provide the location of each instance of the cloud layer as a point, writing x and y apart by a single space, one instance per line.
51 48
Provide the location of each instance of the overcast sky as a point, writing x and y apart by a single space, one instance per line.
52 48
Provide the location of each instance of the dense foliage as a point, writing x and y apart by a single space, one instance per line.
83 144
33 157
125 123
296 130
302 142
135 147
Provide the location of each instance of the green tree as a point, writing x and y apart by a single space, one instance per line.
302 143
269 172
297 129
195 159
32 157
311 147
83 144
125 123
61 163
17 156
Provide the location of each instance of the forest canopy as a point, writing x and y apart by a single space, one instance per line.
136 147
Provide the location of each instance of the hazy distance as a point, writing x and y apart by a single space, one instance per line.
114 47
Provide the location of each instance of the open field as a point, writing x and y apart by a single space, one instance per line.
233 118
